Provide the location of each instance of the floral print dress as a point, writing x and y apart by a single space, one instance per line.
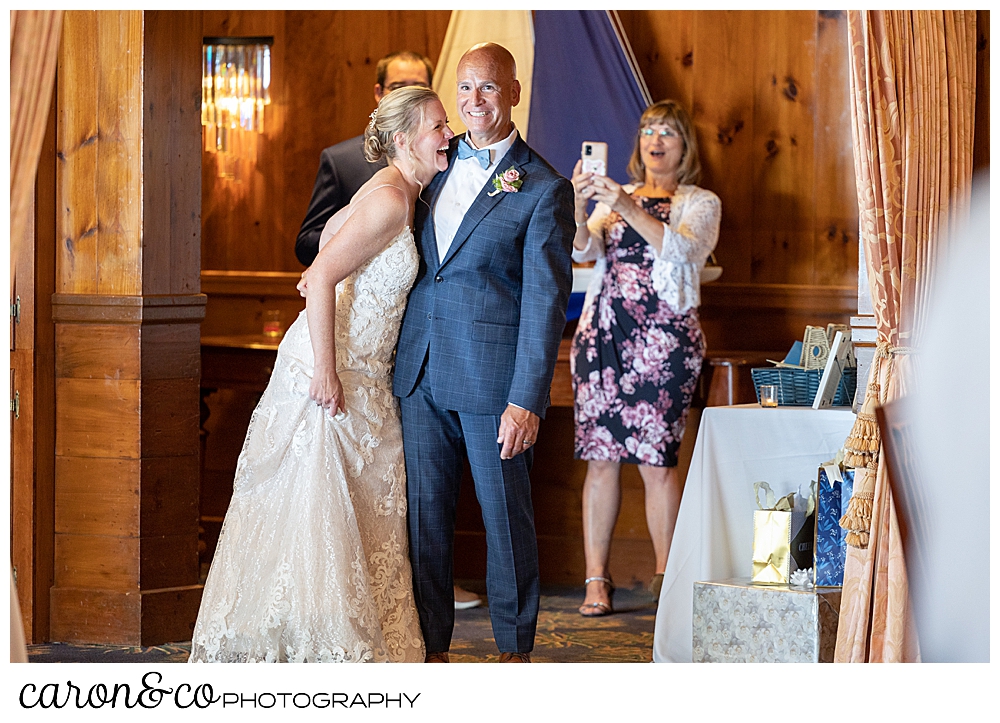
635 359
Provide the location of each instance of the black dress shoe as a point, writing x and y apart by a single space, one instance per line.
515 657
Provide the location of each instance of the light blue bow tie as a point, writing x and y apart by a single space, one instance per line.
467 151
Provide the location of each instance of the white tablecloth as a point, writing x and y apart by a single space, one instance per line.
713 540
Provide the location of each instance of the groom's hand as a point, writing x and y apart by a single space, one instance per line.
518 431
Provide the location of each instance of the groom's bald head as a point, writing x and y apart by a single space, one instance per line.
496 56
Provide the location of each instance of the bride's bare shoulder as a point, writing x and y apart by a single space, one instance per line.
383 196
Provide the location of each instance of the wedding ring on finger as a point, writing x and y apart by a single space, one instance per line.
527 443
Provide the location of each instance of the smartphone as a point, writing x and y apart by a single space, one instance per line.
594 155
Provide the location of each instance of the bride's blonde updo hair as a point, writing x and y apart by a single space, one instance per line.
398 111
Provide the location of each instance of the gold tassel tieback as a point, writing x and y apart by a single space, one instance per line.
864 441
857 520
857 539
861 450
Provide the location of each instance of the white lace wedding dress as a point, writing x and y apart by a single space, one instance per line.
312 564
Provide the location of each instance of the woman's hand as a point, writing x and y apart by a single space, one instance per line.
582 192
609 192
325 389
303 285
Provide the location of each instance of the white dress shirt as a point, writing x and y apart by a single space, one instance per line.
460 189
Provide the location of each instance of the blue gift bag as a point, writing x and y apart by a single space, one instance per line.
830 548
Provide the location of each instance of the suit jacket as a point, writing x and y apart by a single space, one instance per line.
485 323
342 171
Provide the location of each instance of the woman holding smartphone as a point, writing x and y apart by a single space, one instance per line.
638 347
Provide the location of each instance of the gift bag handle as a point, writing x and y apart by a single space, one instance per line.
768 495
785 504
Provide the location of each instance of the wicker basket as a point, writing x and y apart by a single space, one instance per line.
798 387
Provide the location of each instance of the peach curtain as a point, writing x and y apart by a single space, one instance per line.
913 78
34 47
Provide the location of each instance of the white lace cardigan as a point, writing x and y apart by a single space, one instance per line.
688 239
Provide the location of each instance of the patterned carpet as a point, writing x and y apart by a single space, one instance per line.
563 635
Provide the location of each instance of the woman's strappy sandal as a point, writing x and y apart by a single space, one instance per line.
597 609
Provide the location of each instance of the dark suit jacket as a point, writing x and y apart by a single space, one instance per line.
489 317
342 171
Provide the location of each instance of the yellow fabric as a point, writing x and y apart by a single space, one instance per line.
913 97
34 45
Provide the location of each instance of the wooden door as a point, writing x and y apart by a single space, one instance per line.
32 415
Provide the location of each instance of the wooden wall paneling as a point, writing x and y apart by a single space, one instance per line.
835 259
269 193
166 509
97 496
237 301
783 175
168 561
94 615
317 100
420 31
99 615
768 317
169 420
172 156
97 418
235 315
230 222
76 261
240 23
83 352
102 562
127 441
242 218
119 160
663 43
171 351
163 611
724 116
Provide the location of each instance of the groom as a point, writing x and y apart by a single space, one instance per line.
477 350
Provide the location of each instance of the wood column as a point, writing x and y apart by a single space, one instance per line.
127 313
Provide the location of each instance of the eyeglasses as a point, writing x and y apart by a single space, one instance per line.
662 133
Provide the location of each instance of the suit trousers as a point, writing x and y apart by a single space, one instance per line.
434 443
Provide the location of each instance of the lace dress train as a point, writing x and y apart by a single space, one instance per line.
312 563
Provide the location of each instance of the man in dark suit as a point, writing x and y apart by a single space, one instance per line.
343 168
476 353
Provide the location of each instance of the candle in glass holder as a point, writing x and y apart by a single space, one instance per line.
272 322
768 395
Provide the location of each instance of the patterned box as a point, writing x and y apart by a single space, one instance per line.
736 621
833 491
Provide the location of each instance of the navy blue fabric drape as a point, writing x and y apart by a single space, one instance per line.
582 90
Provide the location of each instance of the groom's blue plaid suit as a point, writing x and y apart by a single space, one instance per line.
481 330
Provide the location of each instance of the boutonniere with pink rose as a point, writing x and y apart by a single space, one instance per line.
509 181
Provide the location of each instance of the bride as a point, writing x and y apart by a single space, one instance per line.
312 564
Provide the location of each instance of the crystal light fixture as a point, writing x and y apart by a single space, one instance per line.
235 87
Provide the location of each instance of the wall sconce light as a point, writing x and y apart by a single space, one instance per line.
235 87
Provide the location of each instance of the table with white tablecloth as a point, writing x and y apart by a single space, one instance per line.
713 540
